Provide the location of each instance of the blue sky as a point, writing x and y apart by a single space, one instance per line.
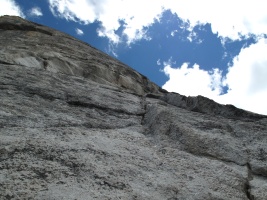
217 49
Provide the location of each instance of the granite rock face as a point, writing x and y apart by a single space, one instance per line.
78 124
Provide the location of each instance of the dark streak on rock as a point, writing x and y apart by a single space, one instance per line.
100 107
23 27
247 187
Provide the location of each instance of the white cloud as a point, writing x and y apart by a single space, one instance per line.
79 31
76 10
174 32
227 18
193 81
158 62
246 80
35 11
135 14
169 62
9 7
193 37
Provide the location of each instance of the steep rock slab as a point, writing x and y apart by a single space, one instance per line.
54 51
77 124
235 142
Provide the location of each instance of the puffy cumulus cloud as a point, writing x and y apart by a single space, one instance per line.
132 15
35 11
193 81
9 7
79 31
246 80
227 18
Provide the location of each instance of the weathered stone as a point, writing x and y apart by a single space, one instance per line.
78 124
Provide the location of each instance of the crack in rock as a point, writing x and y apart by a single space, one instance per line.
247 186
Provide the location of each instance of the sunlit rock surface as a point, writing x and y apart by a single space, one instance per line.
78 124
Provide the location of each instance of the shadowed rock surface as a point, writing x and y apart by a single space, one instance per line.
78 124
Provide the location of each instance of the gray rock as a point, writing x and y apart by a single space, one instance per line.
78 124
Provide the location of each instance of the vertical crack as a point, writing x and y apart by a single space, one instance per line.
144 106
247 186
